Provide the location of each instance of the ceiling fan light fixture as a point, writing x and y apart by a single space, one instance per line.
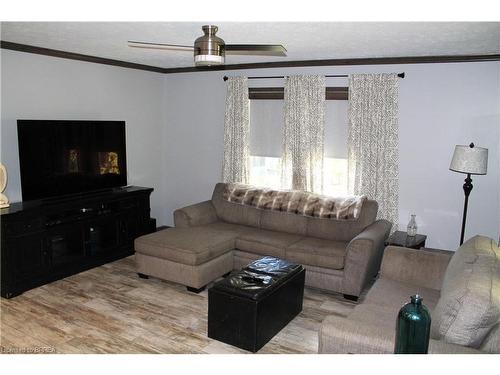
209 48
207 60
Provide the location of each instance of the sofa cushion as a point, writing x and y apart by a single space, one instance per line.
376 315
325 228
283 222
228 227
265 242
234 213
191 246
318 252
469 306
394 294
342 230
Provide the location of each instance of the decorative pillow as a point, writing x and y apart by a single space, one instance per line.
469 306
295 201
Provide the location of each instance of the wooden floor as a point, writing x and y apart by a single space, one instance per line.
110 310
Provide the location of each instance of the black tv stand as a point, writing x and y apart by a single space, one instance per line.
47 240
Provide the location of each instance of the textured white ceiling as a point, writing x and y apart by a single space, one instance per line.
303 40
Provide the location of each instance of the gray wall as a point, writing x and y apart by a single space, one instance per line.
40 87
441 105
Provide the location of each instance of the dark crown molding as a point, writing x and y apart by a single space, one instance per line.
77 56
274 64
341 62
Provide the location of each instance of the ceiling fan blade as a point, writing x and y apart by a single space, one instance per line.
255 49
174 47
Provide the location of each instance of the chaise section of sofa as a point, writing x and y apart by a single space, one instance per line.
462 293
190 256
339 255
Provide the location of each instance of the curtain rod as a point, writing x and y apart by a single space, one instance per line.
225 78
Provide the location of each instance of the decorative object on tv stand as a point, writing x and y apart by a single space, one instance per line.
4 201
413 328
470 160
411 228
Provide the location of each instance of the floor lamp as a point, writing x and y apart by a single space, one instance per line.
469 160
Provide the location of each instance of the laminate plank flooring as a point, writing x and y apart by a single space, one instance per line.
109 309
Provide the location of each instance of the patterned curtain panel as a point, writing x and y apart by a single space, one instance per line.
373 146
303 133
235 166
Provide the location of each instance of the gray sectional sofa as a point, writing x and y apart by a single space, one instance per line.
462 292
214 237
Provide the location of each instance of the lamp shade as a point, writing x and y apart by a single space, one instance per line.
470 159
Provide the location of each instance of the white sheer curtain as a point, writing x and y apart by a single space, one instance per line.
303 133
373 146
235 165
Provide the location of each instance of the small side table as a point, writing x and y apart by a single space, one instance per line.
400 238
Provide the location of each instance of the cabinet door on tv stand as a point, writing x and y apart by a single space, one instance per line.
101 236
65 244
147 224
129 227
25 257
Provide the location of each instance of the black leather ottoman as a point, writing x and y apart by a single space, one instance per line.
250 306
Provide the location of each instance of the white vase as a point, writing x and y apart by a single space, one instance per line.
411 229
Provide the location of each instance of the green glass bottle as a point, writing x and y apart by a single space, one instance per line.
413 328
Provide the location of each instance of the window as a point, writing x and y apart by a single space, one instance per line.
335 177
266 119
265 171
335 162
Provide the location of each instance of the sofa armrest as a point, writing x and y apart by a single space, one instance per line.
363 257
339 335
417 267
194 215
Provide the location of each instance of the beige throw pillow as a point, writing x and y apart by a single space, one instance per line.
469 306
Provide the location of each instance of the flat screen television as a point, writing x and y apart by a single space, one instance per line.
59 158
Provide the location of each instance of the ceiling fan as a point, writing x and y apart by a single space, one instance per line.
209 49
